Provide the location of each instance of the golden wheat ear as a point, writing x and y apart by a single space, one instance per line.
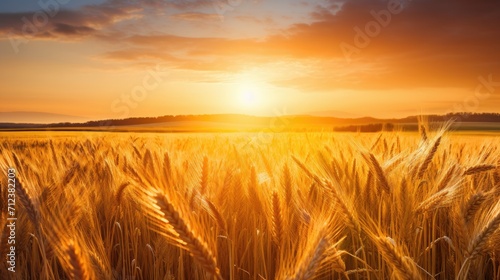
479 169
28 202
277 219
473 205
428 159
308 267
478 244
177 229
379 172
78 267
120 192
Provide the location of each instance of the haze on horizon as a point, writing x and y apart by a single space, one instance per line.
116 59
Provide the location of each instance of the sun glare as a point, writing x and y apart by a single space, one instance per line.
251 93
249 96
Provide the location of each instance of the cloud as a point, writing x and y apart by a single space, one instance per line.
196 17
57 23
428 44
71 30
198 54
446 43
190 5
268 21
424 46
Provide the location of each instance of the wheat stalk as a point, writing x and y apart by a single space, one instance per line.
277 219
253 192
204 176
428 158
473 205
28 203
496 178
78 267
70 174
309 265
447 178
186 237
479 169
147 159
432 203
382 179
423 133
337 264
376 142
349 216
479 242
287 184
399 262
167 166
120 192
216 214
306 170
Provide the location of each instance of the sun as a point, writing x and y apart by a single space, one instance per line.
249 96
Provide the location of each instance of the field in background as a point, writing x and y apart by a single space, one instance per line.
253 206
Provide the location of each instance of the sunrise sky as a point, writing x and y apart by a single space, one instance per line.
116 59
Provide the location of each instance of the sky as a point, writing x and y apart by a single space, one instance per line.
116 59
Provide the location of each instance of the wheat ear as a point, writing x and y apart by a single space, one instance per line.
402 266
446 179
349 216
287 184
432 203
384 184
204 176
423 133
28 203
306 170
78 268
216 214
428 159
479 168
473 205
277 219
478 244
120 192
309 265
186 237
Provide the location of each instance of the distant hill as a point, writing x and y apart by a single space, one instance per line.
37 117
246 122
335 114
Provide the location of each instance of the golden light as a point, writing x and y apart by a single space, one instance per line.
249 95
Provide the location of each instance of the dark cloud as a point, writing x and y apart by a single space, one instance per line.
182 4
71 30
196 17
57 23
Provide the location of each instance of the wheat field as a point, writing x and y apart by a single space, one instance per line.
393 205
